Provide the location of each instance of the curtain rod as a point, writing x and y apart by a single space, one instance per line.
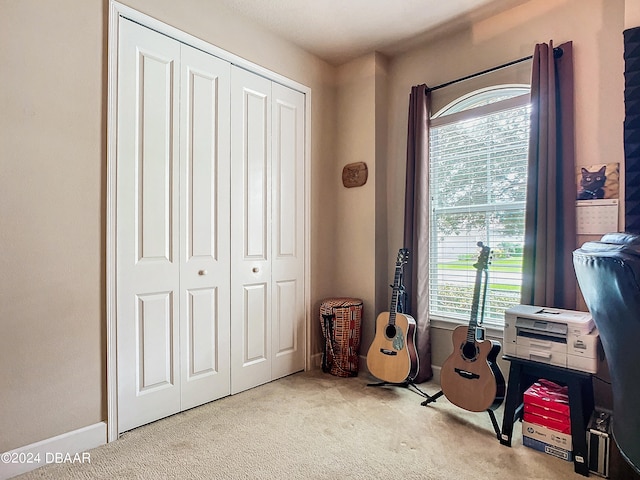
557 53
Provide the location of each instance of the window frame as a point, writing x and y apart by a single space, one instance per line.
442 118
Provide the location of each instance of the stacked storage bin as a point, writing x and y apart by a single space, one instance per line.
546 422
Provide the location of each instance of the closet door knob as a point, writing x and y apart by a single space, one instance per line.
255 269
202 272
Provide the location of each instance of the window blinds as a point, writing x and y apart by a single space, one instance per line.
478 173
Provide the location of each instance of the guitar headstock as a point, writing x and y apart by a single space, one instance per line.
484 257
403 256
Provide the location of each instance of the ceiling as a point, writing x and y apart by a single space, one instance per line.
340 30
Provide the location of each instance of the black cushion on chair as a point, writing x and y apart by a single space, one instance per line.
608 274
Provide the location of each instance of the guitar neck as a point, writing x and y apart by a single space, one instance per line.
393 308
481 267
473 321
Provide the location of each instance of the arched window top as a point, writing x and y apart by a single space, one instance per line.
483 96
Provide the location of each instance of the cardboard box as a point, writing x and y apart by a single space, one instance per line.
546 435
548 449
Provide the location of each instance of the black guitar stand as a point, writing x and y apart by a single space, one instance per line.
406 384
433 398
492 415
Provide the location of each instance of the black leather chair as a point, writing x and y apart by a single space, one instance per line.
608 273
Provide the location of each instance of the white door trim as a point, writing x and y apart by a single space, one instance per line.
117 10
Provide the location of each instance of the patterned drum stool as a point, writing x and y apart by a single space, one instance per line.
340 319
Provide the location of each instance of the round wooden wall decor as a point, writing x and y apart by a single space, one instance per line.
355 174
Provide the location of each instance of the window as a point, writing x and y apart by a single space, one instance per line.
478 148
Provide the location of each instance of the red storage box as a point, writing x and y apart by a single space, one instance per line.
545 412
549 396
562 426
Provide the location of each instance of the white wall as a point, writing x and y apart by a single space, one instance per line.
358 226
631 14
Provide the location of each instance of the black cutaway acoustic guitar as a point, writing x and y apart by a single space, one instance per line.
470 378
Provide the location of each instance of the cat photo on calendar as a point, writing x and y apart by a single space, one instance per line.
598 181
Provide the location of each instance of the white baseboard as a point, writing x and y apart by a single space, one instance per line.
65 448
316 360
436 374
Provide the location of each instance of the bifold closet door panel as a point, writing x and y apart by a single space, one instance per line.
148 270
204 227
250 230
288 311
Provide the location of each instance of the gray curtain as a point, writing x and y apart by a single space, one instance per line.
416 225
550 221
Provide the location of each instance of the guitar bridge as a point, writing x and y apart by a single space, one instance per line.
386 351
466 374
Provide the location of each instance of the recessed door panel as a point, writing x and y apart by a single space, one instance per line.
154 120
203 333
202 162
286 165
255 324
255 159
285 318
154 333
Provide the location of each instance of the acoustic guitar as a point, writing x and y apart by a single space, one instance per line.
470 378
392 356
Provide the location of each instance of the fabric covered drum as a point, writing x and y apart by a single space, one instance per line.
341 319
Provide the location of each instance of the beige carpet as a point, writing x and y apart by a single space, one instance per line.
316 426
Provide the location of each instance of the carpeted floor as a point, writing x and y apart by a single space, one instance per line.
313 425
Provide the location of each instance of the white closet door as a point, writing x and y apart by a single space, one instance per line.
173 208
204 228
210 224
288 326
250 230
147 226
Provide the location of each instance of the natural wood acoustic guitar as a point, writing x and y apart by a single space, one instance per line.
392 356
470 378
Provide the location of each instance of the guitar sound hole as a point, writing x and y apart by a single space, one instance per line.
390 331
469 351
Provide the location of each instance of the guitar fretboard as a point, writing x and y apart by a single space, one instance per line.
481 267
394 295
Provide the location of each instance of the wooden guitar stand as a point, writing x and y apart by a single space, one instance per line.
494 422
